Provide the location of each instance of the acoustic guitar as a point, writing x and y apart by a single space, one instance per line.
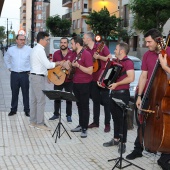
57 75
73 69
96 62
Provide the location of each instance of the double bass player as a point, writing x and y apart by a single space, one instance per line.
148 63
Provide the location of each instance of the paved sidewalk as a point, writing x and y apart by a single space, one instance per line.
25 148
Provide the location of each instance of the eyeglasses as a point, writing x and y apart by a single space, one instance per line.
21 39
48 40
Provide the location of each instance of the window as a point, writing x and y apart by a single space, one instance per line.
74 24
39 7
74 6
85 6
78 23
39 16
56 44
78 4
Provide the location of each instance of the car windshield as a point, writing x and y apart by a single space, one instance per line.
137 65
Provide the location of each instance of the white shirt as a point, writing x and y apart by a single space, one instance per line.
39 62
18 59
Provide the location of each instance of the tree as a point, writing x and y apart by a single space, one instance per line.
2 32
102 23
57 26
150 13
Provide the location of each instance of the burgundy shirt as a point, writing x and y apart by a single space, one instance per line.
127 65
85 61
57 56
149 61
105 52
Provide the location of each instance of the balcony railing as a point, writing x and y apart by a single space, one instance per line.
67 16
86 11
67 3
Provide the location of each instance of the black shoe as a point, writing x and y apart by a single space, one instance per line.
27 114
164 164
123 148
135 154
111 143
11 113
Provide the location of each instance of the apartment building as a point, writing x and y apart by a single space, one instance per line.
137 44
41 12
78 10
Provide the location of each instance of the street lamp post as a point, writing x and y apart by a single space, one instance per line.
7 35
32 21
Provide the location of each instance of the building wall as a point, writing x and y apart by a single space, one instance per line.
141 48
87 6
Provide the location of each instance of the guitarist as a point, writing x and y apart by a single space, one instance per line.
83 64
60 56
98 93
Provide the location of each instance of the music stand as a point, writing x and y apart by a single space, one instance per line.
59 95
119 160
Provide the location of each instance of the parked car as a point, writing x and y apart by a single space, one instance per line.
137 66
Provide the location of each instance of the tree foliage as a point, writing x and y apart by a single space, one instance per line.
150 13
2 32
57 26
102 23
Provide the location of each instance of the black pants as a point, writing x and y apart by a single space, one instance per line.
82 94
20 80
117 113
67 86
99 95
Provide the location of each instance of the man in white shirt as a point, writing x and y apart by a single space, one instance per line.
39 65
17 60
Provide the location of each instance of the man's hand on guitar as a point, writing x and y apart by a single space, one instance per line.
96 56
75 64
66 65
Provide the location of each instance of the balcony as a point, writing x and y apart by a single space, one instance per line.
67 16
67 3
86 12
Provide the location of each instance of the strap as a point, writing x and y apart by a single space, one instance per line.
124 72
61 55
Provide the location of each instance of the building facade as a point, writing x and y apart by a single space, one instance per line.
136 42
80 9
41 12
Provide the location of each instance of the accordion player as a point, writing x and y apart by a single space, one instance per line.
110 73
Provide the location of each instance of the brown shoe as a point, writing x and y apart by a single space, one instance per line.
32 125
92 125
107 128
43 127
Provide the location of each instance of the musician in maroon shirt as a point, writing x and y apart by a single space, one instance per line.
98 94
82 61
148 64
59 56
120 90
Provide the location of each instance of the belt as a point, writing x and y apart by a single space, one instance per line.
119 91
38 74
21 72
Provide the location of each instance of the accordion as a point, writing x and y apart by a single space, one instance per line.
110 73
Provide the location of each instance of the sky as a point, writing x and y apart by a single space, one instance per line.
11 11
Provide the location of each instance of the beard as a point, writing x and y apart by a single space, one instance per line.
63 47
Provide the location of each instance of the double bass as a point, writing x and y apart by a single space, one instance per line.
155 107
